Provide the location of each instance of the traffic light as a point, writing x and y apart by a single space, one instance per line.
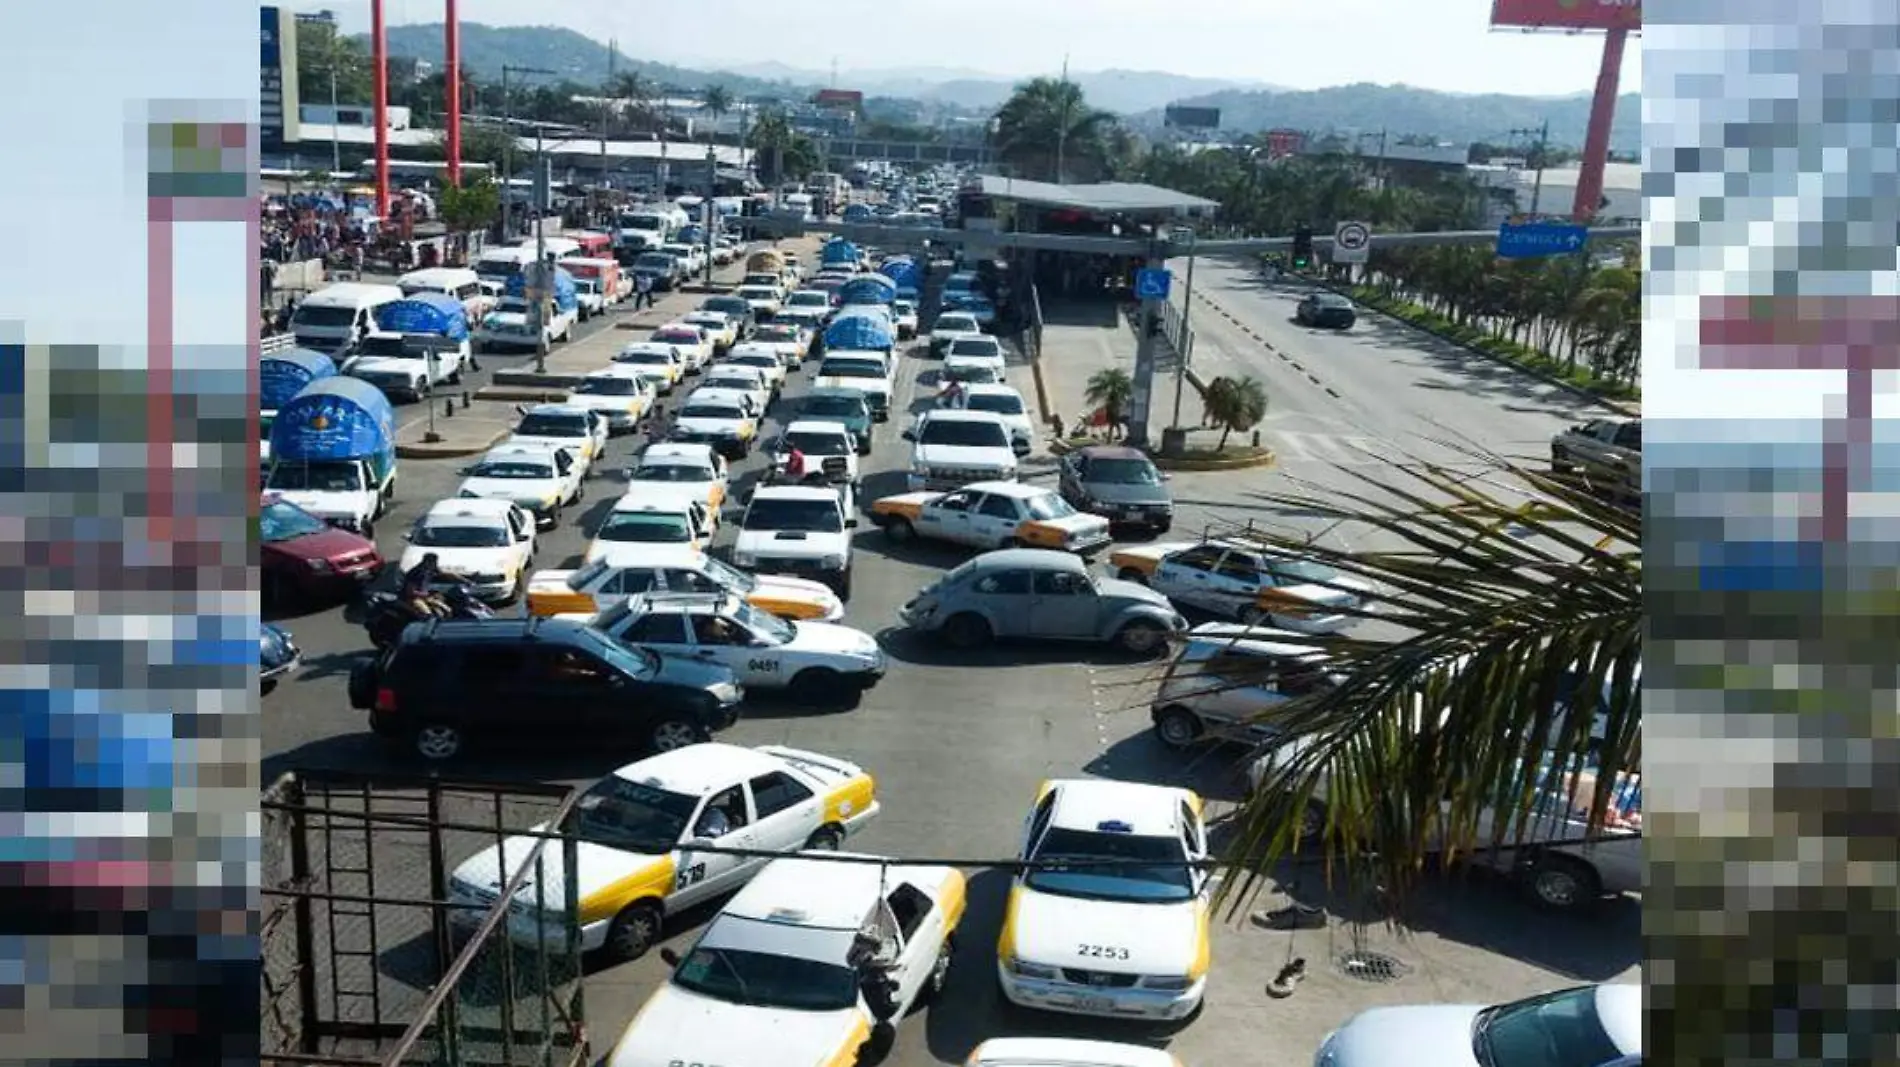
1302 248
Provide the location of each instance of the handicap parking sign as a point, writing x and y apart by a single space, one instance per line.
1152 284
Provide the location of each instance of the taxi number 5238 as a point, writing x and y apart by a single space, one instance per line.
1102 952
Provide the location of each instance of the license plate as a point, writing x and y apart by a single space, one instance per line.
1131 514
1095 1004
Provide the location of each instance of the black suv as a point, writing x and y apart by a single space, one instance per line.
447 682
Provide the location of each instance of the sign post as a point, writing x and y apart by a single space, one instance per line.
1530 240
1151 288
1351 242
1182 237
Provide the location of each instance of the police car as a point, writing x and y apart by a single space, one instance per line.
485 542
636 830
1126 938
781 974
539 479
818 663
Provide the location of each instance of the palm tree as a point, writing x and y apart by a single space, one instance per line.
1234 404
636 94
1501 609
1047 118
1111 390
718 101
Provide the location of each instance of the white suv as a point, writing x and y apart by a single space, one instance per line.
951 448
804 531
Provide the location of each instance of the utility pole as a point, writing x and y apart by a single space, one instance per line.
1062 125
508 144
606 109
1541 148
336 139
1183 235
712 188
543 278
1151 312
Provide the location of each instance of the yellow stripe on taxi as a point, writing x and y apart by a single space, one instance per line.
851 798
1134 561
561 603
651 882
909 509
954 897
847 1054
1203 945
1006 941
786 607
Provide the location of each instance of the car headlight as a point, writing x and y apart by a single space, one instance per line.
1169 983
469 494
726 693
321 566
1025 969
833 562
745 559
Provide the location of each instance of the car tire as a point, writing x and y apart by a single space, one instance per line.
1141 638
676 732
900 530
633 932
1557 882
369 529
1177 727
818 687
436 742
967 630
1130 574
825 839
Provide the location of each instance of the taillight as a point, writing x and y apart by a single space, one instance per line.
385 699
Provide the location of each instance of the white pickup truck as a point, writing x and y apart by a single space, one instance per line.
800 530
508 326
408 366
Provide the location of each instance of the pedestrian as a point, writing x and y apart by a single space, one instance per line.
642 290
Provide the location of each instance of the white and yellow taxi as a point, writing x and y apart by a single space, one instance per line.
1111 918
989 515
682 463
486 543
656 515
580 432
723 328
693 342
634 569
767 359
622 393
749 382
778 976
636 830
717 418
662 364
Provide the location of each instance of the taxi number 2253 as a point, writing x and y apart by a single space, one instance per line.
1102 952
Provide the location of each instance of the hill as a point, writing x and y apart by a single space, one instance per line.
1405 110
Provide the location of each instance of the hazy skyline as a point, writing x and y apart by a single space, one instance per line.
1445 44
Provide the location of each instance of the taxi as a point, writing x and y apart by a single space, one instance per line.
487 543
1066 1052
748 382
718 418
627 569
1103 939
636 829
539 479
779 975
693 342
790 339
620 392
656 515
662 364
1247 583
682 463
575 429
990 515
723 329
765 358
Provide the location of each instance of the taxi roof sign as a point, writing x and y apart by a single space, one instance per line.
1114 826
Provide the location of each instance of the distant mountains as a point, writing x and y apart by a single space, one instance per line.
1245 107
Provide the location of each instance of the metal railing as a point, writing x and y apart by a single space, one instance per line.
278 342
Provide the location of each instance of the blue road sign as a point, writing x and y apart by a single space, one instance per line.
1531 239
1152 284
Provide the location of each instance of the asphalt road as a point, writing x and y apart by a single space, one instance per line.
958 742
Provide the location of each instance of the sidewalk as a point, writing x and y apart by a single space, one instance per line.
1081 337
470 431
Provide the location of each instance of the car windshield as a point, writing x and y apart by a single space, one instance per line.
460 537
647 358
755 359
677 337
514 469
971 374
511 305
777 335
317 477
1000 403
1123 472
728 576
1303 570
702 409
646 527
904 307
586 285
326 317
959 283
1048 506
1155 870
956 324
964 434
1560 1029
280 522
731 381
765 624
974 346
850 368
810 516
628 815
843 406
553 426
815 443
672 472
758 292
764 980
609 387
807 298
382 346
1328 300
730 305
653 261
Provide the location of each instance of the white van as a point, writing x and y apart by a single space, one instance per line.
501 264
796 206
334 318
558 247
459 282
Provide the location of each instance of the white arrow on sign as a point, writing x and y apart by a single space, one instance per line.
1351 240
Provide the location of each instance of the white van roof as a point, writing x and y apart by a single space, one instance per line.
353 295
447 277
507 255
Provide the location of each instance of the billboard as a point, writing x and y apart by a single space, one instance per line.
1568 14
1191 118
1283 142
839 98
272 55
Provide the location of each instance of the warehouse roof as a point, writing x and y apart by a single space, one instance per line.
671 151
1108 198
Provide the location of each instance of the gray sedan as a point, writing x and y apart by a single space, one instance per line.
1040 594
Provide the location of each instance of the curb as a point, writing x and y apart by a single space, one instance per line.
1263 458
1622 407
530 380
521 392
445 450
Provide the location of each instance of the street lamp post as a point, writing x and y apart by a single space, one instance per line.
543 277
712 189
508 143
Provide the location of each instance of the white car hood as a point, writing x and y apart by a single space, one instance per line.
679 1025
773 543
830 639
598 868
708 425
1161 939
534 489
597 402
576 446
326 504
880 386
966 456
460 560
1423 1035
398 364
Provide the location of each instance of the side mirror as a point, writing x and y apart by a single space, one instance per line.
464 472
670 957
910 435
851 522
1166 477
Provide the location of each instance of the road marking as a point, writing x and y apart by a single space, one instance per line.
1345 450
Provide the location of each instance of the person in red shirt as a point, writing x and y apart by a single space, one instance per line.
795 465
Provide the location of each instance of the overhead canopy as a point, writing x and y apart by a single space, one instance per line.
335 418
901 270
430 313
839 251
861 329
1100 198
282 375
868 289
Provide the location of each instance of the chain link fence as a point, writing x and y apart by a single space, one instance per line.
375 956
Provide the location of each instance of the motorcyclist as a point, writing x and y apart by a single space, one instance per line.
418 583
952 394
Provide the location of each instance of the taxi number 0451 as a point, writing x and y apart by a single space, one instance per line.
763 666
1102 952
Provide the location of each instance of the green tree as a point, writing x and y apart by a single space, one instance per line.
1049 118
773 139
1111 390
636 95
471 206
1234 404
321 51
481 143
1502 609
718 100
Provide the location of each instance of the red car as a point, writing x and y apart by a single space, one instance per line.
305 558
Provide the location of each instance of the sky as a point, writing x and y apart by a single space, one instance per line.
1434 44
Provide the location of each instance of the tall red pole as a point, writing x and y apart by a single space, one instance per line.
1596 139
379 76
452 53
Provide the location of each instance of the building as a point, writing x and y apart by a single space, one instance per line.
351 115
577 160
1517 190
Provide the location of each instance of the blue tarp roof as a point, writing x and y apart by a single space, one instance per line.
839 251
868 289
861 328
335 418
565 296
282 375
431 313
902 270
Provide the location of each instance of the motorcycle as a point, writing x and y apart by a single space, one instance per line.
387 614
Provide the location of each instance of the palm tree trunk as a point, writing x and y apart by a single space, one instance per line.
1221 445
